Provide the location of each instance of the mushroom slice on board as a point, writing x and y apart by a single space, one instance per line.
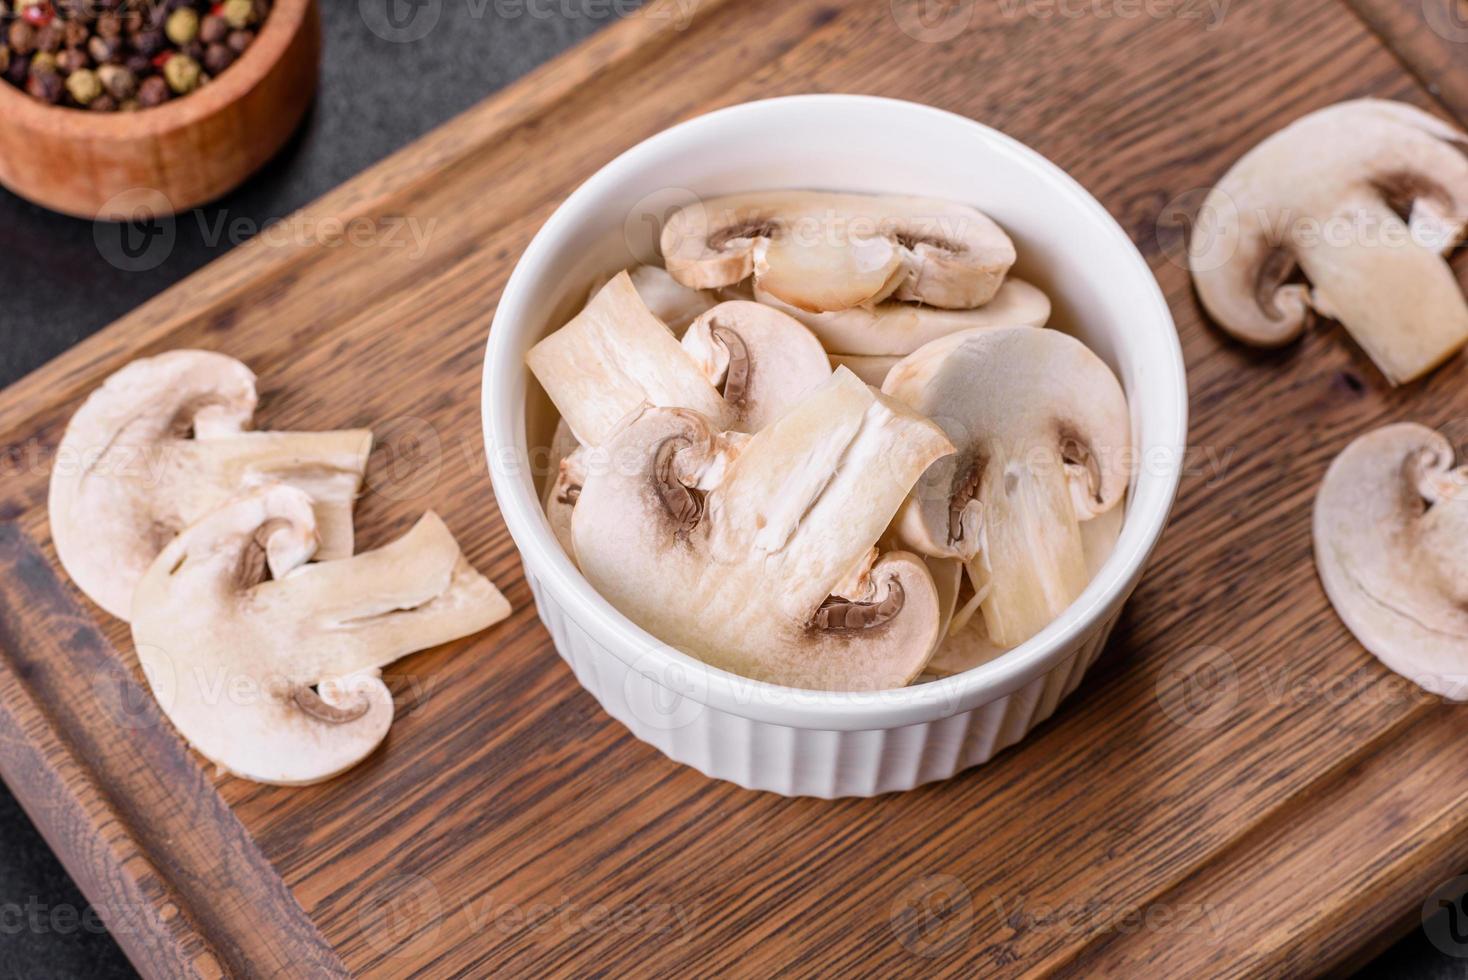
762 361
898 329
1364 198
732 554
1042 432
270 667
821 251
966 644
1390 523
162 443
666 298
612 359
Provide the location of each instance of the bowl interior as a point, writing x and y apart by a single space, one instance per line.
1068 245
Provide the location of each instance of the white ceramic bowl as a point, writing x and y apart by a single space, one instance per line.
817 743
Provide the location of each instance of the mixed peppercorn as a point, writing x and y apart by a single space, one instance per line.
110 55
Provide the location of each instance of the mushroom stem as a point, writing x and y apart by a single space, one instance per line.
1407 329
1031 561
326 465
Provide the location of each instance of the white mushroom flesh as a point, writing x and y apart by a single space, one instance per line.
821 251
733 553
276 677
897 329
1390 523
1364 198
1042 431
163 442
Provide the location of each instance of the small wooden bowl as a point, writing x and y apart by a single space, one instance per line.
132 165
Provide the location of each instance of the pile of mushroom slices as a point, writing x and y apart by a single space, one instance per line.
230 553
1365 200
728 474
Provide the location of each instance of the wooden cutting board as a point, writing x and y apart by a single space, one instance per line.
1238 789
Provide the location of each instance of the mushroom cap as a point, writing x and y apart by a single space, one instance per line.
161 443
613 359
761 360
1324 194
1042 435
898 329
732 552
278 680
822 251
1390 520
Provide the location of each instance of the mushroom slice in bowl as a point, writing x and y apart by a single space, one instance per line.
740 363
162 443
966 643
1364 198
612 359
821 251
666 298
732 552
898 329
1390 521
1041 429
231 606
762 360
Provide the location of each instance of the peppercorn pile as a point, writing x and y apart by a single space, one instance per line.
111 55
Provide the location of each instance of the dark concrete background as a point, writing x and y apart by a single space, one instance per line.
56 288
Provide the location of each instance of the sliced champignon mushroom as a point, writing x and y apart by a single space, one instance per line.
561 496
1042 432
163 442
965 643
1364 198
614 358
898 329
1390 523
821 251
733 553
762 361
276 677
666 298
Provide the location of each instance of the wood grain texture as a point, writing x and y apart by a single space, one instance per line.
118 796
186 152
1290 814
1430 37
